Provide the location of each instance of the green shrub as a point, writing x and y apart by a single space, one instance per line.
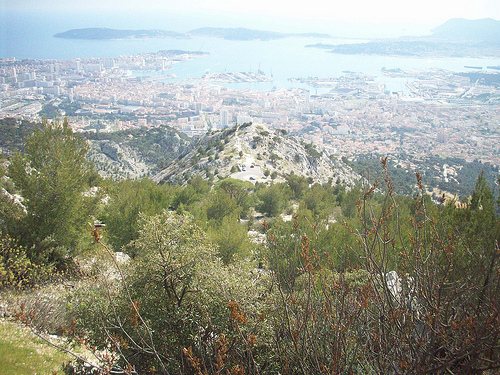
16 269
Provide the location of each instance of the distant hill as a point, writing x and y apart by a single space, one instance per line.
458 29
123 154
248 34
251 152
457 37
105 33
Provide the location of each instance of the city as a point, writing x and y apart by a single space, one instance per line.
436 112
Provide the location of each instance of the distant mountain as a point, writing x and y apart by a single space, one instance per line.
249 34
455 38
458 29
104 33
251 152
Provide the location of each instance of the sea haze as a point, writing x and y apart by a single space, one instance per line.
30 35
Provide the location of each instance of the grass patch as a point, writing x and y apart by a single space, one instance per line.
22 353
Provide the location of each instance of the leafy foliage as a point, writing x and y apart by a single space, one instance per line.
127 200
180 293
16 269
52 176
231 238
272 199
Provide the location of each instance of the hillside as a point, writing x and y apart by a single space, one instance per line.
13 134
458 29
251 152
135 153
238 33
457 37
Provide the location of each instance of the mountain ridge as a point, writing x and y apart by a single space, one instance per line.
478 30
252 152
135 153
457 37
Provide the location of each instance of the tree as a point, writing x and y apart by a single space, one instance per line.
349 202
273 199
221 205
178 308
129 199
298 184
320 200
231 237
239 191
52 175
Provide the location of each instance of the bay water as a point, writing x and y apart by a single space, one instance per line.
30 35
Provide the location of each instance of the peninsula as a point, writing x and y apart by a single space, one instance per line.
455 38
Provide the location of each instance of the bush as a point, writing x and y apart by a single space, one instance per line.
183 309
417 291
16 269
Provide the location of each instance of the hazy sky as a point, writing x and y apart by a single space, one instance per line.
427 12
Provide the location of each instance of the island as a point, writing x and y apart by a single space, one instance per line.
240 34
105 33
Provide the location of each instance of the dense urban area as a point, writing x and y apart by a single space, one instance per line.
436 112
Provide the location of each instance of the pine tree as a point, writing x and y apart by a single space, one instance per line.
51 175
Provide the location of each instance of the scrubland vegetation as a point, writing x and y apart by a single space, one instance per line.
227 277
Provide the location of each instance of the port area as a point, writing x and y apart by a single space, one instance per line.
237 77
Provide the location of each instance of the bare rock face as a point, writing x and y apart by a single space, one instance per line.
110 150
254 153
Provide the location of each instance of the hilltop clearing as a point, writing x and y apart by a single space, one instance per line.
254 153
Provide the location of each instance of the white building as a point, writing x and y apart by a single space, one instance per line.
224 118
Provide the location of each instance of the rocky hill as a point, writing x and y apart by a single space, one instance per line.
251 152
135 153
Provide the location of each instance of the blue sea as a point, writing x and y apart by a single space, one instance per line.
30 35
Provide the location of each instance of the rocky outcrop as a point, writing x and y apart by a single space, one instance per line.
255 153
135 153
116 161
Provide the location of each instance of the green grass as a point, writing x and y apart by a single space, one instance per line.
22 353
